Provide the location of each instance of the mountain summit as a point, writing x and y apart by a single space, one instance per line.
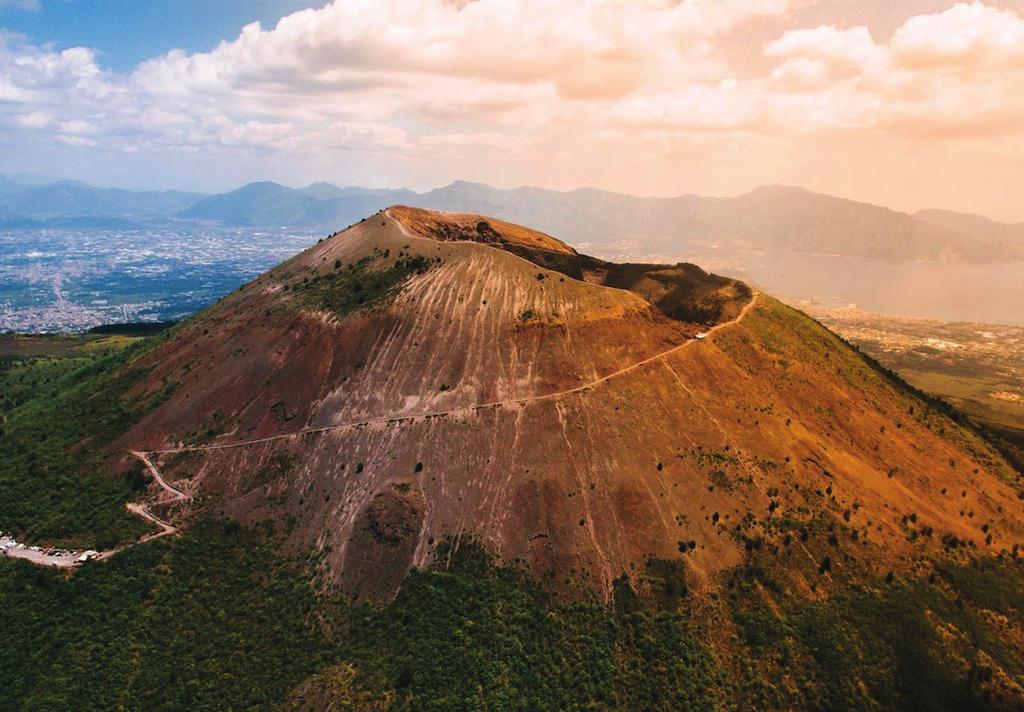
423 379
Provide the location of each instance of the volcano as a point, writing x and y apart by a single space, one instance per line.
424 379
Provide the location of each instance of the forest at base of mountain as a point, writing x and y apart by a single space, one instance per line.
217 618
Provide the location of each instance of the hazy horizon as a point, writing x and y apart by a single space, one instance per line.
342 183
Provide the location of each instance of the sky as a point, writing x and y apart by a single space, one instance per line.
910 104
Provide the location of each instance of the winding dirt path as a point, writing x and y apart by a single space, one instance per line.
464 410
142 510
168 487
71 559
400 224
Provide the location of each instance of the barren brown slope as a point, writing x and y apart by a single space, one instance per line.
609 439
682 291
449 227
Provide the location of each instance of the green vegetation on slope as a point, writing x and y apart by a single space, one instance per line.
478 636
57 415
215 619
929 643
346 289
18 347
210 620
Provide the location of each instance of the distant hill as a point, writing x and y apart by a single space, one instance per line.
264 203
975 227
32 178
9 186
788 218
269 203
323 191
774 218
71 199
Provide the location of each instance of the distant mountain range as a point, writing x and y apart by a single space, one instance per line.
72 200
772 218
318 205
768 218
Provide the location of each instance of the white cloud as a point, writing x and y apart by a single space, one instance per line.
853 46
76 126
968 38
801 73
35 120
954 72
10 92
75 140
